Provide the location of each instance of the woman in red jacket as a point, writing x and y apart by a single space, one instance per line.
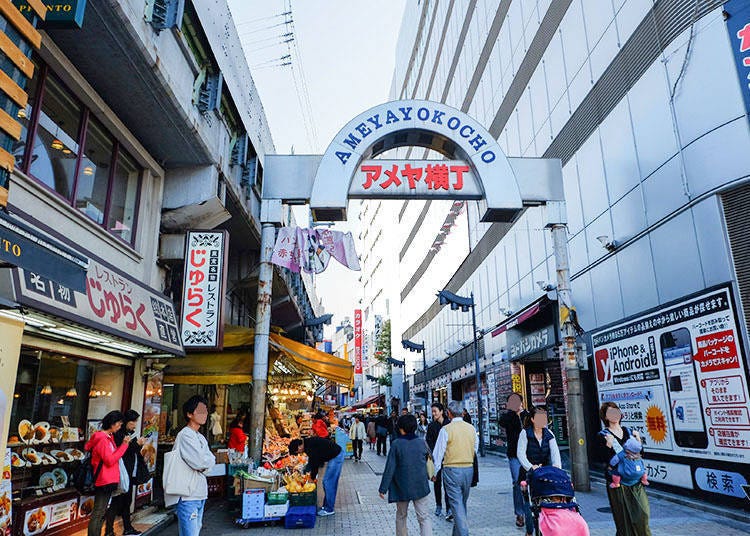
320 426
237 435
105 461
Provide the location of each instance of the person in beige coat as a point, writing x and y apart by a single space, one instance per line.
357 434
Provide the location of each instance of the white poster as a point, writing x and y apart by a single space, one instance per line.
203 289
680 378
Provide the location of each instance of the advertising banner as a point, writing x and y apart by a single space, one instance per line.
679 375
11 331
6 495
358 341
738 26
151 419
203 289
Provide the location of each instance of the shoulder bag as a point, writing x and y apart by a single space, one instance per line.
178 478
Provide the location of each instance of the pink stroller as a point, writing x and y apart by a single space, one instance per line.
553 503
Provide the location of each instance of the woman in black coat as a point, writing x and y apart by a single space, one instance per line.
405 477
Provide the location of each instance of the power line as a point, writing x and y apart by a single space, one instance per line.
261 19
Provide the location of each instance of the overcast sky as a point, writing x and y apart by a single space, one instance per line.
347 51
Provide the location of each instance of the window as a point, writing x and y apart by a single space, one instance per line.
65 147
55 146
124 197
94 171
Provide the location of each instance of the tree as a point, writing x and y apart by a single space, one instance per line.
383 352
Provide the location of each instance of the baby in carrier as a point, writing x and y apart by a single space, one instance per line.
627 465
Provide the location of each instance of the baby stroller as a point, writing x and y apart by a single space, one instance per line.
553 504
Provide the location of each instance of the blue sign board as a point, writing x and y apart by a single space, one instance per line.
738 25
60 13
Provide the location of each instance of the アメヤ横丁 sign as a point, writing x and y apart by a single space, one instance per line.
358 341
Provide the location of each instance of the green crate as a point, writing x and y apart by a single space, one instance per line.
305 498
276 498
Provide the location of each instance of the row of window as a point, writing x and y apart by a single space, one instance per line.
67 149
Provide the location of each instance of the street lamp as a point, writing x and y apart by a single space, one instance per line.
458 302
414 347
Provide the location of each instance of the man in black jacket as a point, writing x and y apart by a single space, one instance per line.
512 422
120 504
382 430
320 451
433 430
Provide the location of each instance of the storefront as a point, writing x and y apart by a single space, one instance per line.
533 367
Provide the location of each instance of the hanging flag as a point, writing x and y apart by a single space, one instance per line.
310 250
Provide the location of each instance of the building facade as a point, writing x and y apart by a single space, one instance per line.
641 102
136 123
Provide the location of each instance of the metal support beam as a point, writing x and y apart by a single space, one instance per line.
262 330
478 374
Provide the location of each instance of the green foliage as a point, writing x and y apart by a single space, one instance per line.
386 379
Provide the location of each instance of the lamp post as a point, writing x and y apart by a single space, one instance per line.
456 302
414 347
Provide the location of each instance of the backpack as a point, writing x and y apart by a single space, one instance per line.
84 477
631 471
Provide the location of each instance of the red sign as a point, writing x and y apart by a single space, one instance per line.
358 341
717 351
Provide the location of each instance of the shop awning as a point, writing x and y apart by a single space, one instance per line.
374 399
235 363
521 316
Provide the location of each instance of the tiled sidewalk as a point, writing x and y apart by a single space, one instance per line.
361 512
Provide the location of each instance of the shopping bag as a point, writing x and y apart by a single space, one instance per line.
179 478
430 467
123 486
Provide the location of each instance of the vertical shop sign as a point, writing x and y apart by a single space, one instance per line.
151 419
738 26
358 341
679 375
11 331
6 494
203 289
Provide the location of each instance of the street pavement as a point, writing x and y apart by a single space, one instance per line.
361 512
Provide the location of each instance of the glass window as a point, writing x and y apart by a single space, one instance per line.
55 147
24 117
94 171
51 386
124 197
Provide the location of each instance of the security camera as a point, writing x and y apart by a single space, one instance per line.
609 245
545 286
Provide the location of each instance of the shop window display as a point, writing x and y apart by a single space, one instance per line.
58 400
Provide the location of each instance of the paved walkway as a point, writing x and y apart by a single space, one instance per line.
361 512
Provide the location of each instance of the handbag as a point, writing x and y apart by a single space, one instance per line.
178 478
430 467
475 475
141 474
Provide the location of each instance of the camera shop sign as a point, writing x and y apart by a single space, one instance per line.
679 375
522 345
203 289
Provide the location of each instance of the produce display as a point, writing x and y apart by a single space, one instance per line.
297 482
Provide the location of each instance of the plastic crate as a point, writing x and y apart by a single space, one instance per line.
304 498
300 517
253 504
277 497
276 510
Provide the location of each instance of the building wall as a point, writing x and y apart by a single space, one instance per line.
644 177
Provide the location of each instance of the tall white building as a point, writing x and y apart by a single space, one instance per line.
641 102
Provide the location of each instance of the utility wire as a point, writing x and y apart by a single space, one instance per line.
262 19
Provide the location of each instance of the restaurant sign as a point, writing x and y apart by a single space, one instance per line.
112 302
204 281
60 13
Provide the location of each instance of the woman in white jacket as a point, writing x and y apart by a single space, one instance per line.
194 451
357 434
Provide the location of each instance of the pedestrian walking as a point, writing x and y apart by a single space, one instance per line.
512 421
405 477
192 448
382 424
433 430
371 432
454 452
537 447
393 426
422 425
132 459
320 451
629 504
357 434
105 461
